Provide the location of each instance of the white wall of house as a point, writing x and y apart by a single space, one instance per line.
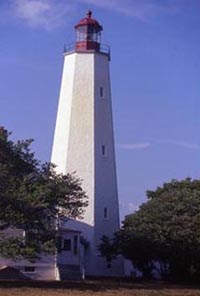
43 269
69 254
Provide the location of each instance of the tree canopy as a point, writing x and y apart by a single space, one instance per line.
32 198
164 234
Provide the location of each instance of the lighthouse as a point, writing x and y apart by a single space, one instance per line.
84 143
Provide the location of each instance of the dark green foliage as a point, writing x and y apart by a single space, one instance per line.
164 234
108 249
32 197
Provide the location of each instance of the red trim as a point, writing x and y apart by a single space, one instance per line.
87 45
89 21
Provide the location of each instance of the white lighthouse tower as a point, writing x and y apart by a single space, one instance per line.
84 143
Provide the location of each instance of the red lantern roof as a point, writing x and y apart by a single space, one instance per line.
88 20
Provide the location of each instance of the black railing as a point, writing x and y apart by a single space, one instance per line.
71 47
104 48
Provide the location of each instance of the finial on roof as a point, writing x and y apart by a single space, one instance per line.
89 14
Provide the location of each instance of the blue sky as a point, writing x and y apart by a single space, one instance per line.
155 75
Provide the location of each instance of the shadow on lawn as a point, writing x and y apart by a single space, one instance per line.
95 285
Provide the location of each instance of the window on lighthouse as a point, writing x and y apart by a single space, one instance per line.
101 91
105 213
81 34
103 150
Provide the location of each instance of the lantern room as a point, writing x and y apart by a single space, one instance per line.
88 34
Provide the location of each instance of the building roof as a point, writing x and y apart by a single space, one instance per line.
64 229
11 273
88 20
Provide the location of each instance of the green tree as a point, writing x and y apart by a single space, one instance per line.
164 234
108 249
32 198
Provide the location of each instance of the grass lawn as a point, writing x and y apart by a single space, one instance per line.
95 288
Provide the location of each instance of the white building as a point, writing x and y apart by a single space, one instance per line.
84 143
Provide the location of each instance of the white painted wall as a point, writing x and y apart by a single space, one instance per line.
68 257
106 195
45 268
84 124
61 135
80 149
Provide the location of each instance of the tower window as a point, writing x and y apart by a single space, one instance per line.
105 213
59 243
108 265
103 150
101 90
67 246
75 244
29 269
